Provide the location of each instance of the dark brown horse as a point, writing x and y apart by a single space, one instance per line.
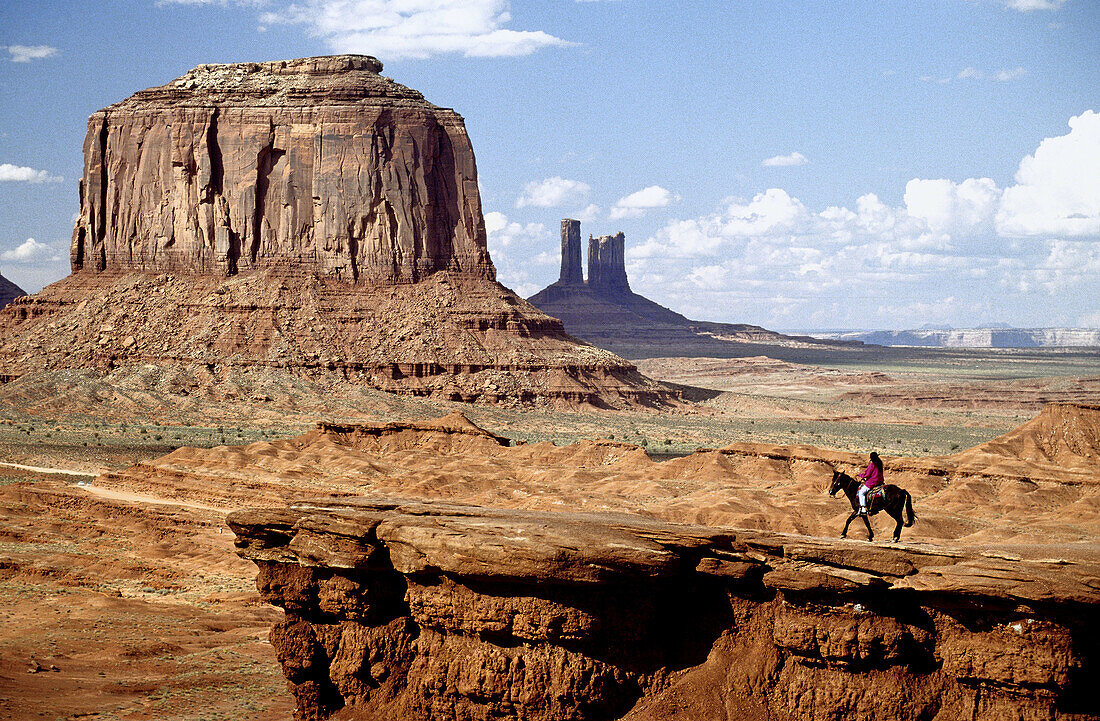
892 500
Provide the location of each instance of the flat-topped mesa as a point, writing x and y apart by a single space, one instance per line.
607 262
318 163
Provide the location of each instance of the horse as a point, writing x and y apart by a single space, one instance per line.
892 499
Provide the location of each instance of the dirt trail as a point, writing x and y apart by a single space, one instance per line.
39 469
130 497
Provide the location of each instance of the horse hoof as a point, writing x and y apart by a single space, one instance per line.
844 535
894 540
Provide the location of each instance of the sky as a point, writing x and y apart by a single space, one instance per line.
871 164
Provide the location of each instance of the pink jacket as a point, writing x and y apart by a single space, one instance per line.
871 476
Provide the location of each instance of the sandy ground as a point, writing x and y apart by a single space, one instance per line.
125 580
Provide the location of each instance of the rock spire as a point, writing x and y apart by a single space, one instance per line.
571 272
607 262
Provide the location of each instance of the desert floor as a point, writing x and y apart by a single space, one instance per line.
130 588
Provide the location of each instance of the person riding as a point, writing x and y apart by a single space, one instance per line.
872 476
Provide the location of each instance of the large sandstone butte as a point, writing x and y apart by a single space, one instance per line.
605 311
320 162
308 215
403 609
9 291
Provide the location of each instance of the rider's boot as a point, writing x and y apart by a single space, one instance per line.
863 510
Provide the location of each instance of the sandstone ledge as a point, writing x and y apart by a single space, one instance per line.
407 609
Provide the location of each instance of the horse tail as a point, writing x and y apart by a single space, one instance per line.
910 516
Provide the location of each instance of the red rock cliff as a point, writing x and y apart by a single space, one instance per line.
411 610
320 162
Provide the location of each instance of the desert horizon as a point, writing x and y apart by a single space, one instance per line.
322 407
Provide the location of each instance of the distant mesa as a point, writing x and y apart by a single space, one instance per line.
606 312
996 335
9 291
307 216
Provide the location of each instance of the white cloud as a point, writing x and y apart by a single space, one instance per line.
1057 189
553 192
524 254
27 53
779 161
20 174
415 28
31 251
953 208
637 203
1028 5
970 72
588 214
1005 75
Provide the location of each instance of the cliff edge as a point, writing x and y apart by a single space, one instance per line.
405 609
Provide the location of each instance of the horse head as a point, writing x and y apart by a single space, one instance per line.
838 482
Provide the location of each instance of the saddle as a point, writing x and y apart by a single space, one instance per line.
876 493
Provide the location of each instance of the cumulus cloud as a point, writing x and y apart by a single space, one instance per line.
415 28
20 174
637 203
1057 189
955 208
27 53
948 253
524 254
553 192
31 251
780 161
589 214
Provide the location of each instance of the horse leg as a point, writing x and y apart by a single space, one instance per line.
867 522
896 515
844 533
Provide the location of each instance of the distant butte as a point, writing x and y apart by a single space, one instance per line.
9 291
307 216
604 310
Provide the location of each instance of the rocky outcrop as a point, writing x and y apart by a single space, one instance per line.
306 217
412 610
450 336
9 291
604 310
607 263
318 162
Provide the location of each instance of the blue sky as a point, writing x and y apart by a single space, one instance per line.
795 165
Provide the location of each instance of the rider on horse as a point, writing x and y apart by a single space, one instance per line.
872 476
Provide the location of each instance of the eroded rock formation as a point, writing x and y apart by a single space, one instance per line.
605 311
305 217
412 610
320 162
607 264
571 271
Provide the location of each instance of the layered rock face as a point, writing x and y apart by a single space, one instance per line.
9 291
412 610
307 217
319 162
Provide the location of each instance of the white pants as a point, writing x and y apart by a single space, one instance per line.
861 494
